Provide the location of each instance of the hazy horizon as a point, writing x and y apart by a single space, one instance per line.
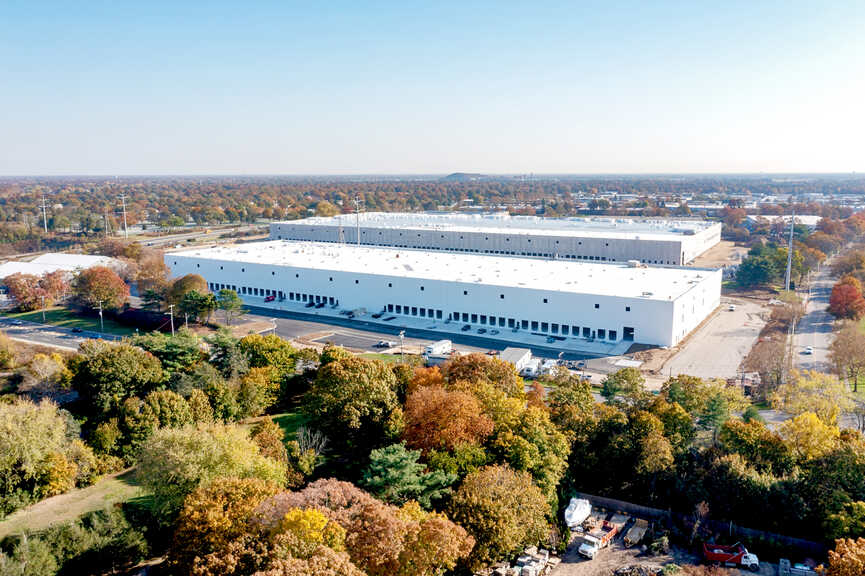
391 89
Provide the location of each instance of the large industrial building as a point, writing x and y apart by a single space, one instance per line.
602 239
556 302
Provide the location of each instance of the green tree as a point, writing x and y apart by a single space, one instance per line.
226 354
354 402
105 374
626 384
177 354
175 461
570 400
395 476
269 351
502 509
230 303
197 306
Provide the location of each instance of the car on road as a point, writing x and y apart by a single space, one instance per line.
466 327
492 352
17 323
808 350
270 298
731 307
550 339
309 305
385 344
77 330
494 332
320 305
482 330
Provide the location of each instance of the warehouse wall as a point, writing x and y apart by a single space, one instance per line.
652 321
668 252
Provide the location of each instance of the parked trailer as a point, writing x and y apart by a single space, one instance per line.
785 568
736 555
635 534
439 348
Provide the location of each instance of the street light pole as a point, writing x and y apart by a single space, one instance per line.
43 309
402 346
101 322
171 314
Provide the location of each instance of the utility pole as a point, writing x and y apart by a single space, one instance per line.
171 314
357 203
790 254
44 207
101 321
125 228
43 309
402 346
186 320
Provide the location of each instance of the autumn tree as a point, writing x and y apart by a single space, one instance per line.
180 286
32 292
846 301
481 368
212 516
847 559
811 391
175 461
847 352
502 509
100 284
436 418
807 436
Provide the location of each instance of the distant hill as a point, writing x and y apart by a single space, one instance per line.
464 177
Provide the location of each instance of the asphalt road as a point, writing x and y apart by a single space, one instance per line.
47 335
815 327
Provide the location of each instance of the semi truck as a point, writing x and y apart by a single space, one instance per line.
736 555
439 348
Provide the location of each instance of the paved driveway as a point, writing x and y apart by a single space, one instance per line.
717 349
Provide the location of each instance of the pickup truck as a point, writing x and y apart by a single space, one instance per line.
736 555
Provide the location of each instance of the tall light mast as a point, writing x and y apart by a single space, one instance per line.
44 207
357 203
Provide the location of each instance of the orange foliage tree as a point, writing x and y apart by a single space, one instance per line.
436 419
100 284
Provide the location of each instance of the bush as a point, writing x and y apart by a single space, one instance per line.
99 542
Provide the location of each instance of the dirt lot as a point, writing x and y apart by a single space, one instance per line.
722 254
617 556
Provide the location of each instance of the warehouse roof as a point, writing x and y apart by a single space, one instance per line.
612 279
601 227
73 261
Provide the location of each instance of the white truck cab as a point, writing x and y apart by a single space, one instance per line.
590 546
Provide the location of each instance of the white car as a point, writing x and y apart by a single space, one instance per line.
731 307
808 350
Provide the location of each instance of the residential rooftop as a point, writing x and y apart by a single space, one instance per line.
610 279
502 222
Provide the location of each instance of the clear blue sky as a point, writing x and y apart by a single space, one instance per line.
180 87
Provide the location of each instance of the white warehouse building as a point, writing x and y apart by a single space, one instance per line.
600 239
566 302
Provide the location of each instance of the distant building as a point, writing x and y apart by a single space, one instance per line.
54 261
519 357
513 299
599 239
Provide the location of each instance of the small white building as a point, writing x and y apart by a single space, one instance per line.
560 300
519 357
54 261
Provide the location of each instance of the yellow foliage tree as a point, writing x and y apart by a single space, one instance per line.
811 391
808 437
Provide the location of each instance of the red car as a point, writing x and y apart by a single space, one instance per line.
270 298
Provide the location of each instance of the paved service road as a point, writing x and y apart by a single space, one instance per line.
717 349
815 327
47 335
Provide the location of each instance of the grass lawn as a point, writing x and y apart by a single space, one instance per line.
410 359
66 318
67 507
289 422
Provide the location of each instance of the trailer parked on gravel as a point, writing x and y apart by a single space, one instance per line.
636 532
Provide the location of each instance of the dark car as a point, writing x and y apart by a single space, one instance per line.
320 305
77 330
482 330
310 305
466 327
